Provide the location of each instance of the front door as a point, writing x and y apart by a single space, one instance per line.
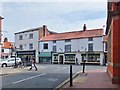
61 59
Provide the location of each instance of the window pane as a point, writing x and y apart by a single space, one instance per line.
30 36
68 40
21 47
90 39
54 49
31 46
54 41
20 37
90 47
67 48
45 46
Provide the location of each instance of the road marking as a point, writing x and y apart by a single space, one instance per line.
60 69
29 78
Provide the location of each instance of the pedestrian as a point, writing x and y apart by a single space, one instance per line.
33 64
77 61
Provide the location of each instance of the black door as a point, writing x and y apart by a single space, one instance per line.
61 59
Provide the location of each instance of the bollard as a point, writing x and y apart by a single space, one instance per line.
83 66
71 81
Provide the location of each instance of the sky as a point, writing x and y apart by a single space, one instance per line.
59 16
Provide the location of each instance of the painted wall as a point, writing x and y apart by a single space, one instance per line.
26 41
76 44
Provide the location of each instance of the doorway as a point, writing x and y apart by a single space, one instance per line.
61 59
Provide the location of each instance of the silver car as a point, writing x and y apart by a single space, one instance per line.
9 62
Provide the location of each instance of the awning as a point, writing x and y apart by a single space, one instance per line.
45 54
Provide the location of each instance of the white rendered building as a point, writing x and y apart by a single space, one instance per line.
27 42
73 47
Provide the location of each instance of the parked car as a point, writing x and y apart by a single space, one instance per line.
9 62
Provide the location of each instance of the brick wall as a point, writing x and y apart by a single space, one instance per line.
113 67
43 31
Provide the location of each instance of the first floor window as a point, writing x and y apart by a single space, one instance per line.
30 36
2 50
45 46
90 47
21 47
54 49
31 46
20 37
67 48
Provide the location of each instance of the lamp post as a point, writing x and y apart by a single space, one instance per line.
11 49
51 57
84 61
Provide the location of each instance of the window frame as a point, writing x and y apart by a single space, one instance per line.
90 39
31 46
54 48
67 48
30 36
20 37
20 47
45 46
67 40
90 47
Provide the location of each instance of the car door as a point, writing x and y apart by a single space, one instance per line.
11 62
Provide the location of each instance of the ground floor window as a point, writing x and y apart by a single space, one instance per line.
91 57
55 57
45 59
69 57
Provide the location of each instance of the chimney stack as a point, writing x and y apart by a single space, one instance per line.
84 27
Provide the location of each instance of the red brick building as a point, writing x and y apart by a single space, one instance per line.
113 32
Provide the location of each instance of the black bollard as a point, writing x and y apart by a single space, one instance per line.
71 81
83 66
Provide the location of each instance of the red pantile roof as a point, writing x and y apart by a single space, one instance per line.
7 45
73 35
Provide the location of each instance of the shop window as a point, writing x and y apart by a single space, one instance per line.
69 57
45 46
55 58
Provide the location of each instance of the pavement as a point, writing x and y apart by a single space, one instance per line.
11 70
97 78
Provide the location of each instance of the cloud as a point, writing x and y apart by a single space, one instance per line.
59 17
56 0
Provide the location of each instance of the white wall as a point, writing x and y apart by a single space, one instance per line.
76 44
98 45
26 41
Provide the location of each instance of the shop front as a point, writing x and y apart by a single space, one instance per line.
45 57
63 58
26 55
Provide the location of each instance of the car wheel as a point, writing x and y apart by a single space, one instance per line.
4 65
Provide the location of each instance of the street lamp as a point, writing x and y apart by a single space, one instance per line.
84 61
11 45
14 49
